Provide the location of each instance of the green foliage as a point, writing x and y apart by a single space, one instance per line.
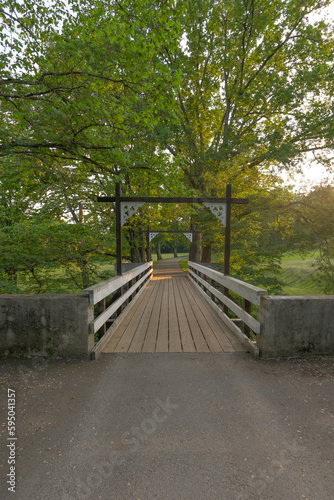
46 257
81 87
256 88
94 93
314 230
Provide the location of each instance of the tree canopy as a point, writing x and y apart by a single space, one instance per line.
169 97
256 89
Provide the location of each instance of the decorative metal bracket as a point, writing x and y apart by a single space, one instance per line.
152 235
189 236
219 210
128 209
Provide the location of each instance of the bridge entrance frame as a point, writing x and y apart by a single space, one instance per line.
151 233
125 206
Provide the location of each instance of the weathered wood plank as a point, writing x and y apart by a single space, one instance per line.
172 316
225 338
134 320
149 344
139 337
203 320
174 332
190 308
163 331
187 340
114 334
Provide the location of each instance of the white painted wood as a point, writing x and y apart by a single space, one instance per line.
245 290
95 325
245 341
101 290
243 315
101 344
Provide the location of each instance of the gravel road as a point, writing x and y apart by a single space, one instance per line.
170 427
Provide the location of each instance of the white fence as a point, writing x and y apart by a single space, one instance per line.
110 297
208 280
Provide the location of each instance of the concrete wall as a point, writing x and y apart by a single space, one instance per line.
292 326
44 325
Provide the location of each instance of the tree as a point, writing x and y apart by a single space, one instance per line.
256 90
88 80
80 91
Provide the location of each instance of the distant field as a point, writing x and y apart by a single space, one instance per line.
167 256
297 272
298 275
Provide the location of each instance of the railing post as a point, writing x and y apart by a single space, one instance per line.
148 243
227 250
101 307
213 297
119 259
247 306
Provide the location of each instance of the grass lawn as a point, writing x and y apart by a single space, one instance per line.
298 275
167 256
297 272
184 264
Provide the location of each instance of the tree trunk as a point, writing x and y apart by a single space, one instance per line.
142 253
206 252
158 251
175 251
196 253
135 255
137 249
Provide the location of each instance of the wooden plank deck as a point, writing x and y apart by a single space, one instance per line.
171 316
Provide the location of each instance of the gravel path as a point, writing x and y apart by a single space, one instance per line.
170 427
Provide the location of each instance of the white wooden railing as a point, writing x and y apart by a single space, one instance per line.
110 297
207 280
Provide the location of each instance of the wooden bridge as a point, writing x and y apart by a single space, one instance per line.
162 310
172 316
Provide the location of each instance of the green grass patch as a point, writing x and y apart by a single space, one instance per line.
167 256
184 264
299 275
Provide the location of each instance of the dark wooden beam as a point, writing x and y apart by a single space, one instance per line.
148 243
156 231
227 252
118 230
146 199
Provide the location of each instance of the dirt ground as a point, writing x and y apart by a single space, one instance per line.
170 427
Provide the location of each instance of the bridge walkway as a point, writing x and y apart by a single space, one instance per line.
171 316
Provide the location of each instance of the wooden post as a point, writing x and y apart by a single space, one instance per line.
101 307
227 250
148 244
192 247
118 230
248 309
